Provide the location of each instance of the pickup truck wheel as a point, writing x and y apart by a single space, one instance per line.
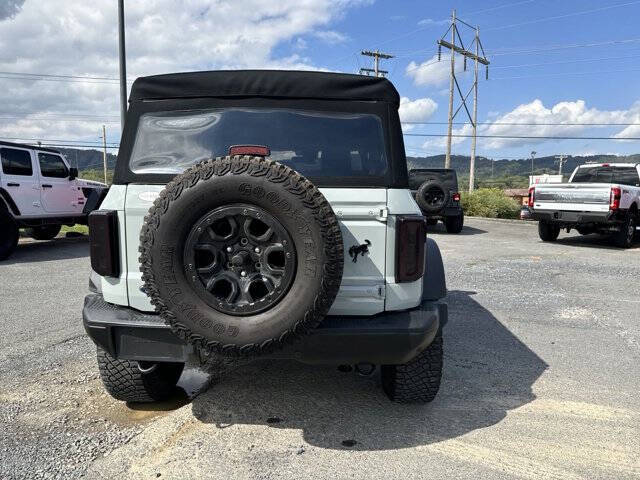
9 234
624 238
548 232
45 232
131 381
417 381
432 196
241 255
454 224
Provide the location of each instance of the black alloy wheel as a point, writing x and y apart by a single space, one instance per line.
240 259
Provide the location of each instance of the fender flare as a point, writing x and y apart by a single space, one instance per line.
434 284
8 202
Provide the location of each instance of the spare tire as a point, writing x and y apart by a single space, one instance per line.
432 197
241 255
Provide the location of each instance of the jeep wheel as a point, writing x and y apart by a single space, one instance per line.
548 232
432 197
454 224
625 236
9 234
241 255
131 381
45 232
417 381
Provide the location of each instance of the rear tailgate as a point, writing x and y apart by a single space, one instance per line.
575 197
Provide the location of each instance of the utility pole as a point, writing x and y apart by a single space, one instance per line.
123 64
454 85
104 151
376 63
533 155
561 159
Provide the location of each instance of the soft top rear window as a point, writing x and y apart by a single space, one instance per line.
607 174
315 143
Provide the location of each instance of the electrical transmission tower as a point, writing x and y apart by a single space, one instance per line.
376 62
561 159
453 82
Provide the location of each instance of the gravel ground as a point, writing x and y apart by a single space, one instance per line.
541 380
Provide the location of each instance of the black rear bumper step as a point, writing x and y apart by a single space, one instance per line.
389 338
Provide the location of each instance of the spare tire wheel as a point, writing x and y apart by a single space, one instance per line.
432 197
241 255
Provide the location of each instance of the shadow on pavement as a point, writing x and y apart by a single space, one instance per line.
488 372
592 241
57 249
466 230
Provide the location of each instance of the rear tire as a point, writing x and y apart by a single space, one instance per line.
417 381
548 232
9 234
624 238
454 224
132 381
45 232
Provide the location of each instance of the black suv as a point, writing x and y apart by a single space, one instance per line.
436 192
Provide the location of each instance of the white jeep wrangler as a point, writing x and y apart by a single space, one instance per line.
263 213
40 192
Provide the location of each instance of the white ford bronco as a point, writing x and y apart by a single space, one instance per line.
40 192
599 198
263 213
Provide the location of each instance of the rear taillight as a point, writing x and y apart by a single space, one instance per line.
456 197
616 195
411 233
532 196
103 243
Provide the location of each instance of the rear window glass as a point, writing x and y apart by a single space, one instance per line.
600 174
16 162
446 177
317 144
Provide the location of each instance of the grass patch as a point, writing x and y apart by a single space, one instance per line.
76 229
490 203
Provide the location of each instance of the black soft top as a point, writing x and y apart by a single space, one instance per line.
265 83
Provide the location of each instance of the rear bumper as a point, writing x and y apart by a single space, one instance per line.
389 338
565 217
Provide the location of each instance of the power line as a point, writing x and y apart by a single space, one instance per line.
562 62
55 140
499 7
527 124
503 51
518 136
566 15
560 74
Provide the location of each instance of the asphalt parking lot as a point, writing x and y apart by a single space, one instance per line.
541 381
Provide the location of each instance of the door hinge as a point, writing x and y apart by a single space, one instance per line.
383 214
382 291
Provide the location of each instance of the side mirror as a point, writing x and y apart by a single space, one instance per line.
73 173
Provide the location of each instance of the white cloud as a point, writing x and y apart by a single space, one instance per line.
430 21
568 118
80 38
331 36
433 72
418 110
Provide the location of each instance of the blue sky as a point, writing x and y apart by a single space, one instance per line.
532 78
609 84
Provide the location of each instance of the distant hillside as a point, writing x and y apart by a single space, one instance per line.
512 173
87 159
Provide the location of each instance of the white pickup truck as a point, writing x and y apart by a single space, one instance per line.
599 198
40 192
